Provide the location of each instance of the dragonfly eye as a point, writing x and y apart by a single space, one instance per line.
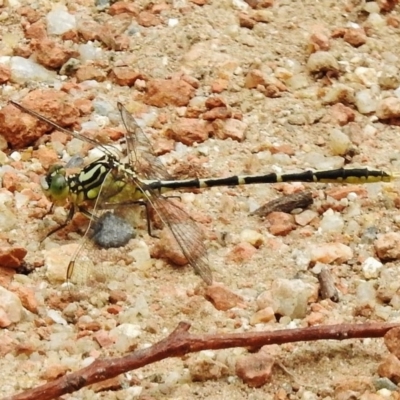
55 184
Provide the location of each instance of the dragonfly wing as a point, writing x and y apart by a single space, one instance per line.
188 235
140 151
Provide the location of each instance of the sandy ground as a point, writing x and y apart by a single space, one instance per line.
289 116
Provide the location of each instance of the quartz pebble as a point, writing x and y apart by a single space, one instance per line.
371 268
339 142
59 20
11 307
322 61
26 70
290 297
365 101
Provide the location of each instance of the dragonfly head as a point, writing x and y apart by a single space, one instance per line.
55 184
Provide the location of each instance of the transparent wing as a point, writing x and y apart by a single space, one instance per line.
146 164
106 229
141 154
75 134
187 234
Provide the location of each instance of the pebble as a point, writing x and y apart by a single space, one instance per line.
331 222
60 21
89 52
366 101
253 237
104 338
5 73
291 296
320 39
281 224
392 341
8 220
263 316
90 72
12 257
54 371
387 246
125 76
223 298
204 368
339 142
189 131
305 217
339 93
255 369
322 61
371 268
229 129
355 36
52 55
168 92
110 230
388 108
56 261
129 330
25 70
329 253
390 368
27 297
366 294
376 21
56 316
11 306
341 114
242 252
385 383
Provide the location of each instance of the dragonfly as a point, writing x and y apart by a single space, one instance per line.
142 177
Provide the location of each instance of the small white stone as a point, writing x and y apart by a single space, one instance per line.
21 200
331 222
56 317
376 20
371 268
372 7
172 22
290 297
129 330
367 76
59 20
253 237
25 70
240 5
11 304
339 142
16 156
365 101
366 294
89 52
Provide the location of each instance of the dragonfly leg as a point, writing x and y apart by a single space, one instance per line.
148 218
63 225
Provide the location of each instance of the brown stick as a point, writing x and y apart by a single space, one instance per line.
181 342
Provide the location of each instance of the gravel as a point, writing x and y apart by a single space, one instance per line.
221 88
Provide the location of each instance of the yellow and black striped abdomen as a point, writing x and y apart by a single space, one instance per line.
340 175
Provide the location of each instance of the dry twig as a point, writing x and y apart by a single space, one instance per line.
181 342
